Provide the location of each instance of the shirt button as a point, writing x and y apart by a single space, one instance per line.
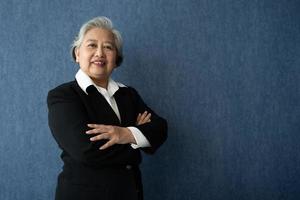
128 167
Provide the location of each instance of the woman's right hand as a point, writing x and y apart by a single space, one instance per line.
143 118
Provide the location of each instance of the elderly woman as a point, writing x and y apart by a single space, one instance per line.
101 125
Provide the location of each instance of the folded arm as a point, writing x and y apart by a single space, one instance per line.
68 121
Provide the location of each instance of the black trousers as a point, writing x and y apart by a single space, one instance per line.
121 183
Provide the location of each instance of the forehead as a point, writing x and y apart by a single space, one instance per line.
99 34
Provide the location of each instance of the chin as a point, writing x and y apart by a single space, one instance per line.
99 76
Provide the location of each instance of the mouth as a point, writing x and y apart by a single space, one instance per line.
99 63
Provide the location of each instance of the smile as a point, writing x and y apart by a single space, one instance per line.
99 63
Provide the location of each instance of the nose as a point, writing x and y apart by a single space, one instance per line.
99 52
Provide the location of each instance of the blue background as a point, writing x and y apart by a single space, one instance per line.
224 73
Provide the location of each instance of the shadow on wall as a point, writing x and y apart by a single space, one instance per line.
186 156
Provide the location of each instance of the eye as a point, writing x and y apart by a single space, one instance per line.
108 47
92 45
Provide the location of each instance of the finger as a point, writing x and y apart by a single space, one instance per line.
147 118
94 131
141 119
138 117
107 144
103 136
144 115
98 128
93 125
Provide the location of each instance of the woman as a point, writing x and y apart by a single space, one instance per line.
101 125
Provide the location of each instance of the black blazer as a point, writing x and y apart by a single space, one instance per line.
70 110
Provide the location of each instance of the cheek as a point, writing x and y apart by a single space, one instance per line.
113 59
84 58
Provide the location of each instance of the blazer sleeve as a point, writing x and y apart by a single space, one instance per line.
156 130
68 121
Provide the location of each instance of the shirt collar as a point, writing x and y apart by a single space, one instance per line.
84 81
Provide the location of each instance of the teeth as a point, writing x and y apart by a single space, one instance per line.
99 62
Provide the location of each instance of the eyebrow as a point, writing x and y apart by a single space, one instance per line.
92 40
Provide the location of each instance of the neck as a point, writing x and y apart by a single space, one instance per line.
101 83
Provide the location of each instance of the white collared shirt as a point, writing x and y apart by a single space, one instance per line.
84 81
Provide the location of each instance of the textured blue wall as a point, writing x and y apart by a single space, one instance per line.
224 73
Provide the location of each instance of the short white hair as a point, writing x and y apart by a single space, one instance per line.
99 22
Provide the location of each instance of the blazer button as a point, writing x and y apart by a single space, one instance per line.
128 167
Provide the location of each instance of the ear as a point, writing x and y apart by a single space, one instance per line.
76 52
119 60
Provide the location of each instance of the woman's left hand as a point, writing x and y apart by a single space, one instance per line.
143 118
114 134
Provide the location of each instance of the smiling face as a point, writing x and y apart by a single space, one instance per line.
97 55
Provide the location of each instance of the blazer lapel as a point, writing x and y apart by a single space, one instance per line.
125 107
99 109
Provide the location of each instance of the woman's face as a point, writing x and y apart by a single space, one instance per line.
97 55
